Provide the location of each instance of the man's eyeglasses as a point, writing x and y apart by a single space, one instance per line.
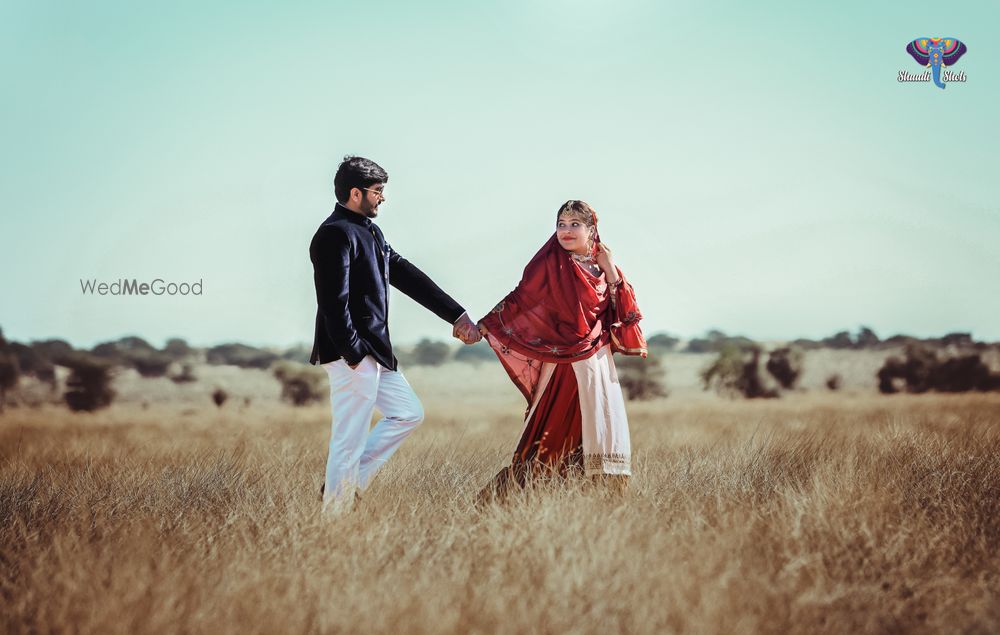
379 192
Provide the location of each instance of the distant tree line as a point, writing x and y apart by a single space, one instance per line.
715 341
953 363
922 368
741 366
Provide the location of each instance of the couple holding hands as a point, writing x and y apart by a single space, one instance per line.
554 335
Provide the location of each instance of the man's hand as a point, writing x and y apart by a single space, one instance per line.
466 330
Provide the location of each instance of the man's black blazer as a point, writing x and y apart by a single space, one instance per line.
352 268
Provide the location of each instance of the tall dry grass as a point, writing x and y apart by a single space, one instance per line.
811 514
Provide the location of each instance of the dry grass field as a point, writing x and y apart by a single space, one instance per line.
814 513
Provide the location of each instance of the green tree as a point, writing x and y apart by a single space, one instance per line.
737 372
428 353
177 348
785 365
476 353
89 383
240 355
641 378
301 384
32 364
663 340
10 371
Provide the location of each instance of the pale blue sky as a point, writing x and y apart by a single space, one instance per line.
758 170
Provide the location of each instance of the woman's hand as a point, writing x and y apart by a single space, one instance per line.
606 264
466 330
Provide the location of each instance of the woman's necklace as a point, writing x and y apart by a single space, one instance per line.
589 263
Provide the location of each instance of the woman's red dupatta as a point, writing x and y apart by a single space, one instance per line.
561 313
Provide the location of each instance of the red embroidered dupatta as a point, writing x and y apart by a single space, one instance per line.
560 313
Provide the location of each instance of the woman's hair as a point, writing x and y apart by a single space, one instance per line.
579 210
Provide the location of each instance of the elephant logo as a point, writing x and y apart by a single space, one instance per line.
936 53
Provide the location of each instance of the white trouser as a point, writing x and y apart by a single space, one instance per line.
356 453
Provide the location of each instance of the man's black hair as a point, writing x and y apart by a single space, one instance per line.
357 172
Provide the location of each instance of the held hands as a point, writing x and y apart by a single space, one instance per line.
466 330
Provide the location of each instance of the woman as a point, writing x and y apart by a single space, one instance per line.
555 334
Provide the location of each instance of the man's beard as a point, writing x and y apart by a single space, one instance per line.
371 211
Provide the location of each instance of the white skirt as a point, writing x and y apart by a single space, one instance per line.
607 448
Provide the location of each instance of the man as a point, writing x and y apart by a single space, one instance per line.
353 267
